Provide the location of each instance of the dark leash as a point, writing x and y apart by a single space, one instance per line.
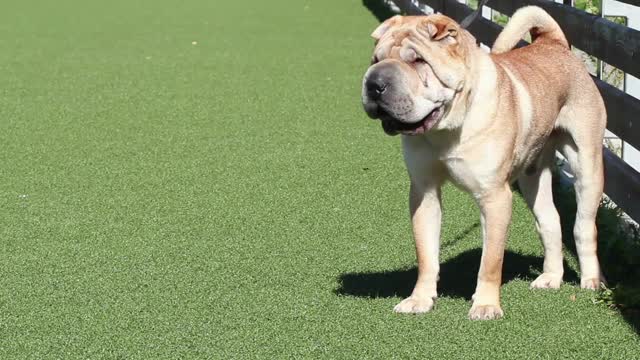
472 17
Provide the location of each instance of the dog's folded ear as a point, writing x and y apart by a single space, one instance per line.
385 26
440 29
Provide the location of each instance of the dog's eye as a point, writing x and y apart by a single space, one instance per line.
374 60
419 61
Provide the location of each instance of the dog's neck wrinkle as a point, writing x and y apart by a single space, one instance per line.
463 98
482 81
468 113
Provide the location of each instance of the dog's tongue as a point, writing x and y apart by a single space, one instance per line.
431 119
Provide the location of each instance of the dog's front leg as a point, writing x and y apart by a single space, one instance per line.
426 216
495 208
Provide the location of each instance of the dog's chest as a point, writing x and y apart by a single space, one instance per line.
470 174
473 167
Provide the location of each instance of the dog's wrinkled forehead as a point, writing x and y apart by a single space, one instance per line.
390 35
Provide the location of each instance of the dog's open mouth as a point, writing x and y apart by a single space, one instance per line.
392 126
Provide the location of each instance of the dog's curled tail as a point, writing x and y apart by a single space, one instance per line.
528 18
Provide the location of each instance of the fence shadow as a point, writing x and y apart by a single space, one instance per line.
618 258
378 9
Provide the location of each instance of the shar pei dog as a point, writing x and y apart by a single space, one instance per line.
484 121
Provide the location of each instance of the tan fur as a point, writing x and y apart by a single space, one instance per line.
534 20
511 110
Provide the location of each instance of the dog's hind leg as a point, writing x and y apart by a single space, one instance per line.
535 187
582 147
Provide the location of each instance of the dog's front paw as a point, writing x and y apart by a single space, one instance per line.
485 312
592 283
414 305
547 281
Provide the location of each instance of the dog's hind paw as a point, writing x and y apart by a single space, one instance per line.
547 281
414 305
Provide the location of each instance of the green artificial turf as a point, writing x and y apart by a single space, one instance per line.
198 180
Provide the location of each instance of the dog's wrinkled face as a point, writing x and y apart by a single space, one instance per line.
417 69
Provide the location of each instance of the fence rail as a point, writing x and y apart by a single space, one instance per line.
615 44
631 2
612 43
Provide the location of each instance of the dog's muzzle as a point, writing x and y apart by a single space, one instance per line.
384 99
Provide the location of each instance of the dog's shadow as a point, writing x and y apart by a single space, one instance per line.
457 277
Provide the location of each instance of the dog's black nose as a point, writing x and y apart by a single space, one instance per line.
380 80
376 86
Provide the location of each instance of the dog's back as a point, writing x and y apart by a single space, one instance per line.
554 78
